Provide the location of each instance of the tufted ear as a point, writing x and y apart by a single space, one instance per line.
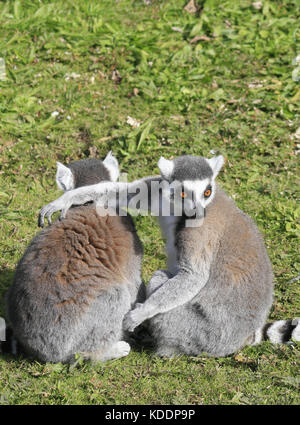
111 163
64 177
166 168
216 163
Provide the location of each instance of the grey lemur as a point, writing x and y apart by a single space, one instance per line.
217 292
78 278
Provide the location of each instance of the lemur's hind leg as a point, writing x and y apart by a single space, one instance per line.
115 351
168 351
158 278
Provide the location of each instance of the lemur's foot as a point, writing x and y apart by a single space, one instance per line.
115 351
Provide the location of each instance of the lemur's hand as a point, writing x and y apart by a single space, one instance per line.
133 318
61 204
99 193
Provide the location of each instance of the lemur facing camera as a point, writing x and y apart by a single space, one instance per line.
78 278
217 293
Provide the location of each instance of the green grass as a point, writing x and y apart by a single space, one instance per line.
96 63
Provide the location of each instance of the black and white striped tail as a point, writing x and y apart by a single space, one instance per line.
279 332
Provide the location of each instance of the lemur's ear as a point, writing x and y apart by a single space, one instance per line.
216 163
166 168
111 163
64 177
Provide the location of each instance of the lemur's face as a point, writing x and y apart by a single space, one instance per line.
191 180
86 172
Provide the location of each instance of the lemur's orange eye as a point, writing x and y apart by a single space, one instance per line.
183 195
207 193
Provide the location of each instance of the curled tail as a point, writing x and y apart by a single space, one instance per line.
279 332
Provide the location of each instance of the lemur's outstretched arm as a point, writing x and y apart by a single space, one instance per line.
98 193
174 292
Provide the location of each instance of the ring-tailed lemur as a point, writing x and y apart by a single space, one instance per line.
77 278
217 293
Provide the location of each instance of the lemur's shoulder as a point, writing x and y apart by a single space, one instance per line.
238 238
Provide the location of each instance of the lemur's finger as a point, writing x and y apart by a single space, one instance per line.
41 217
63 213
41 220
46 211
49 214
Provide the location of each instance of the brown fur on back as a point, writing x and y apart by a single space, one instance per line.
81 256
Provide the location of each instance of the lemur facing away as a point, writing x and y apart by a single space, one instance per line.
78 278
217 293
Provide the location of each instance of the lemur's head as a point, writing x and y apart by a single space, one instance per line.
193 177
86 172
